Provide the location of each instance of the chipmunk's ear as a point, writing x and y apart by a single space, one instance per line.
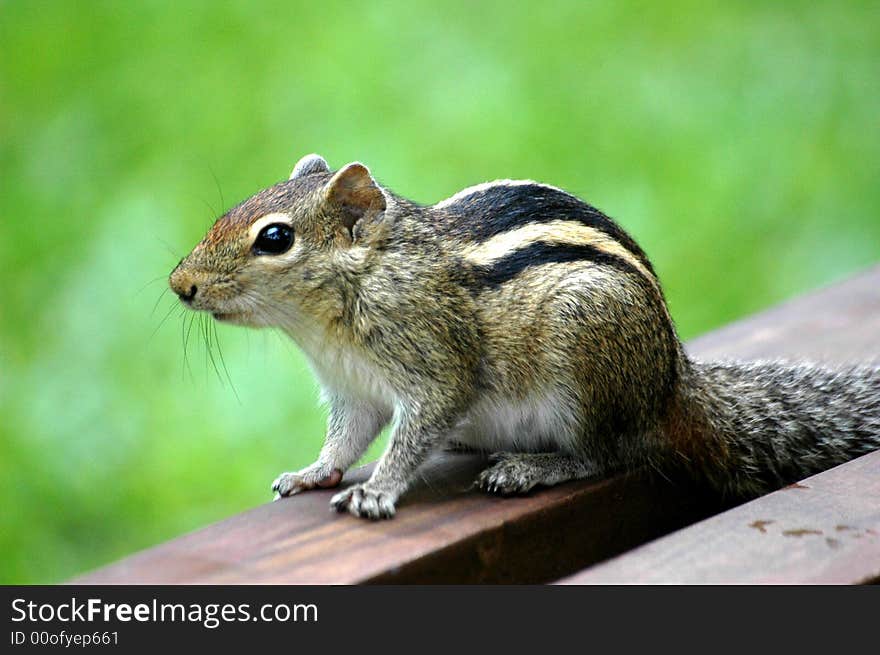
308 165
355 194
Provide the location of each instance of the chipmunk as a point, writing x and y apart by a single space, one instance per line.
511 318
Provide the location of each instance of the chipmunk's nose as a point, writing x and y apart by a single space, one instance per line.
182 284
189 295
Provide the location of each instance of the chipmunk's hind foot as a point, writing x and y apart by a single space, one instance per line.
519 473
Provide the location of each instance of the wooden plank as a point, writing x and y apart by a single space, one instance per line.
446 531
837 324
825 530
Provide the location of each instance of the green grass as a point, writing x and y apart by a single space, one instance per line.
738 142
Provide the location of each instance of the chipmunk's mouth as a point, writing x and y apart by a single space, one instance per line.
229 317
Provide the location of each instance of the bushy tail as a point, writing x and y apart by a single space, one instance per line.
769 424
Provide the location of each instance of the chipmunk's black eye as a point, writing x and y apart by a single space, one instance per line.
274 239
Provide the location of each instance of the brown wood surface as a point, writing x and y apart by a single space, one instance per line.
445 531
836 324
825 529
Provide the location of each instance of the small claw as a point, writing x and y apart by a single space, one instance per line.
354 503
370 506
278 484
363 503
340 501
386 507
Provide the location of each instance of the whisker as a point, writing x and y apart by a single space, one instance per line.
158 300
153 281
169 247
210 208
210 350
223 363
187 328
217 183
162 322
203 330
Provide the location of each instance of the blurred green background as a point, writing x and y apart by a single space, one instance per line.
738 142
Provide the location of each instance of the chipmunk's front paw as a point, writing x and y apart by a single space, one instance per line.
364 501
316 475
511 474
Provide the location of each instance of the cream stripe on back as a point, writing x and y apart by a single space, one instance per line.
485 186
559 232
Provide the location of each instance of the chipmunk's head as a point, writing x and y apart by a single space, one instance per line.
278 256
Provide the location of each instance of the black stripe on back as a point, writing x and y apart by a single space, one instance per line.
486 213
492 276
538 253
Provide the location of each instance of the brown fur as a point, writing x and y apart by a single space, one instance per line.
558 347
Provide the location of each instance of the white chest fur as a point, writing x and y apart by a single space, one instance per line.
539 422
342 370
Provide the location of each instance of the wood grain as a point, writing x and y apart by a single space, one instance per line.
825 529
446 531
